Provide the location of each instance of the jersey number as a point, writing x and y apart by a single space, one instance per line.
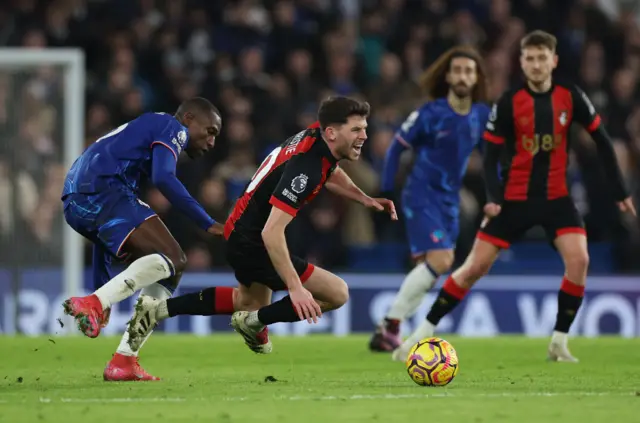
114 132
263 170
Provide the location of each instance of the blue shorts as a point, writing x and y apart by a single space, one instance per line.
106 218
427 229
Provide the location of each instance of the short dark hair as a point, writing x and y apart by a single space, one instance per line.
337 110
539 38
197 104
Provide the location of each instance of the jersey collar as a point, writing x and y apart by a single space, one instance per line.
324 147
537 94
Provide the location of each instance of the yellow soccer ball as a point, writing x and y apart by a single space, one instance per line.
432 362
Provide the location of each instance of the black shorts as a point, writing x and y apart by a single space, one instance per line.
557 217
251 263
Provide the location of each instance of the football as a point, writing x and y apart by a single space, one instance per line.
432 362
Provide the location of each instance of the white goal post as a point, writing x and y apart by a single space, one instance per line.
72 61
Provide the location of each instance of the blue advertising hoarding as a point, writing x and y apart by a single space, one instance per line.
498 305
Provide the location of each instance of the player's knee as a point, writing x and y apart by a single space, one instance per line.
577 263
441 261
339 294
178 260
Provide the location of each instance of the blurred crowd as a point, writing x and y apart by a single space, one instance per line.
266 65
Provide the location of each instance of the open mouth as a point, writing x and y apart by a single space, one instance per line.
357 148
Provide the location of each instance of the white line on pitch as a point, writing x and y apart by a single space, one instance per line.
333 397
436 395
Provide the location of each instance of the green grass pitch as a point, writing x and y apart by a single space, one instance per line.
317 379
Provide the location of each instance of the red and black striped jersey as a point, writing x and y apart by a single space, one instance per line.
290 176
534 128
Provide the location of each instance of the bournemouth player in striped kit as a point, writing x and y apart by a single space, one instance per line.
528 134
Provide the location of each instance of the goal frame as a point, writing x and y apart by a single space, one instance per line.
73 62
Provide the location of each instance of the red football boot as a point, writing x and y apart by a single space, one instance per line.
386 337
87 311
125 368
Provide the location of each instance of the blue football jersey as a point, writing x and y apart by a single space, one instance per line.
442 141
124 154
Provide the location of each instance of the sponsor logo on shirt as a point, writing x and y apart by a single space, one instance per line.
291 196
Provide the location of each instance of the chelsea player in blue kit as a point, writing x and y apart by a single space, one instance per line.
442 135
101 203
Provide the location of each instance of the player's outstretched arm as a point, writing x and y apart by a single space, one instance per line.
341 184
391 164
163 176
275 242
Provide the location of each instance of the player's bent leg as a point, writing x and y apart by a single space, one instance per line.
149 311
207 302
330 291
150 239
164 260
124 365
478 263
572 246
415 285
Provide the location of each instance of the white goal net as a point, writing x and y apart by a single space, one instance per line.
41 133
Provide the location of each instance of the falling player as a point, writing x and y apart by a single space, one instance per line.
291 176
530 126
101 203
442 134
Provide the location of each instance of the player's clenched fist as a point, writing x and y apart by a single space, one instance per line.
306 307
492 209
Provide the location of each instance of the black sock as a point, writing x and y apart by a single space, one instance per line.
280 311
448 298
200 303
569 302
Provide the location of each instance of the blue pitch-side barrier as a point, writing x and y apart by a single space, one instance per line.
529 258
499 305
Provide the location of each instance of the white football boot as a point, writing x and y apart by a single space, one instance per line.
143 321
558 349
424 330
257 339
401 353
